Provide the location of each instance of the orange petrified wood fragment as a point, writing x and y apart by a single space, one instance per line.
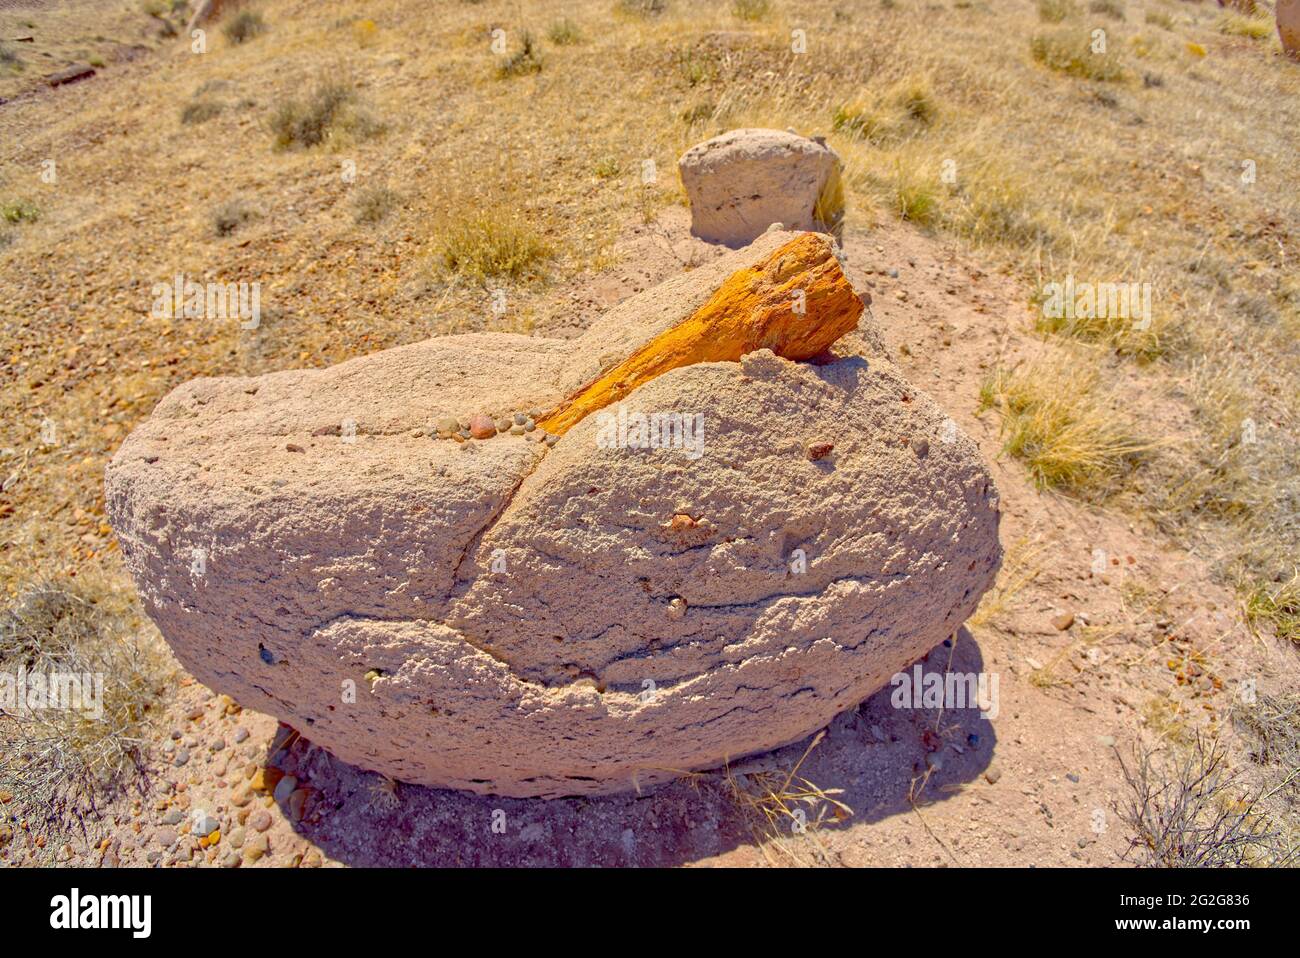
796 302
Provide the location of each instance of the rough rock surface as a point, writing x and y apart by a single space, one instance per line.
741 182
1288 26
505 617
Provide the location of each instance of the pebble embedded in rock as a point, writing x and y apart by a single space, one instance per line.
516 430
677 609
298 804
921 447
255 846
182 757
260 820
446 425
482 427
520 419
284 788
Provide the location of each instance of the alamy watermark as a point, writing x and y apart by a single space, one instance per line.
185 299
626 429
24 692
945 690
1078 300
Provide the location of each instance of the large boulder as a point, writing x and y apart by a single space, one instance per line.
513 616
743 181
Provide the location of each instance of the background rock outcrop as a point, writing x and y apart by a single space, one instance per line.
743 181
513 617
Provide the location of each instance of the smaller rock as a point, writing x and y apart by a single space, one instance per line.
182 757
241 734
79 71
298 804
166 837
446 425
520 419
284 788
260 820
482 427
236 838
255 847
992 774
819 450
1063 621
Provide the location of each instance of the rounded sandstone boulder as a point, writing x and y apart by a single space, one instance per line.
743 181
672 584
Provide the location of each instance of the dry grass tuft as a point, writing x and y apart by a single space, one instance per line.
1071 52
1277 606
778 805
642 8
244 26
906 109
1108 8
230 216
1055 421
527 59
330 108
751 9
1240 25
374 203
1056 11
200 111
491 242
62 764
564 32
